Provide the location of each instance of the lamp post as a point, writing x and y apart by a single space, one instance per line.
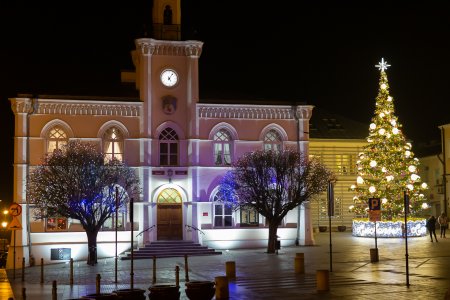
4 225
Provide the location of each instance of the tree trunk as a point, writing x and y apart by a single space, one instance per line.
92 247
272 242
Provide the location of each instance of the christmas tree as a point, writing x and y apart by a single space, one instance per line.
387 167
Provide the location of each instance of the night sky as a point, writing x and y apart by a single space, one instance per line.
320 53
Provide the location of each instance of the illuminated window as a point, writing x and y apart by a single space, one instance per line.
249 217
57 138
110 223
223 213
56 224
345 164
113 144
222 146
272 141
168 147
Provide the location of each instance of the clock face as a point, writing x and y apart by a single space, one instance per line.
169 77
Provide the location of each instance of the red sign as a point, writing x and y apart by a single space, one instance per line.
180 172
374 215
205 214
15 209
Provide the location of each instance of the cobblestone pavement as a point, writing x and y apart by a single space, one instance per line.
259 275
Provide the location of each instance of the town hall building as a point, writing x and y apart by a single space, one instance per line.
179 147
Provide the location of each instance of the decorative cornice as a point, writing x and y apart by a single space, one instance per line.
237 111
22 106
75 107
174 48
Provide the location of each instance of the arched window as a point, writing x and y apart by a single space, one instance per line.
222 148
272 141
57 138
168 147
223 213
113 143
169 195
167 19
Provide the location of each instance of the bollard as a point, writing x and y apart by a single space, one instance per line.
374 255
230 269
23 268
222 291
299 261
24 294
177 276
42 271
97 284
186 268
154 270
54 294
323 280
71 272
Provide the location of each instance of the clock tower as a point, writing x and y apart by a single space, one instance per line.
166 77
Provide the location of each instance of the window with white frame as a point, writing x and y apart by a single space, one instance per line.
168 147
57 138
110 223
223 213
56 224
249 217
222 148
272 141
113 144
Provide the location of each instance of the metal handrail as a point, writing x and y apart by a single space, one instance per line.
195 228
150 228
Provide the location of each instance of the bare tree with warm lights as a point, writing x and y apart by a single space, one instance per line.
387 167
78 182
273 183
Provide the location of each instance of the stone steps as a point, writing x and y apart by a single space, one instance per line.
161 249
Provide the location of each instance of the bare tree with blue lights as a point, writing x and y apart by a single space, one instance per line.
78 182
273 183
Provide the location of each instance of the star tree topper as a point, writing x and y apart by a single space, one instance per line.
382 65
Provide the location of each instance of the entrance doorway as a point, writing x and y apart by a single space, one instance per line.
169 222
169 215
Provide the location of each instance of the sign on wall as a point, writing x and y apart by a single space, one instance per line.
60 254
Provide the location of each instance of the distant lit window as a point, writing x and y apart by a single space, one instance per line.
223 213
113 144
222 146
57 138
345 164
56 224
168 147
272 141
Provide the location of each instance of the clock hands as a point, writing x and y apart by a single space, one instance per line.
169 78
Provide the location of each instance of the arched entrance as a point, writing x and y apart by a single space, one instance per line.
169 215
